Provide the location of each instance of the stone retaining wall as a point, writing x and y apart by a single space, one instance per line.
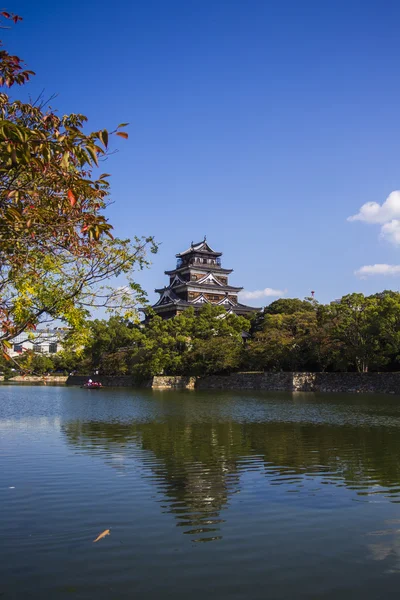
157 383
273 382
56 379
378 383
173 382
385 383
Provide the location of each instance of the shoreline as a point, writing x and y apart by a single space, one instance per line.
386 383
344 383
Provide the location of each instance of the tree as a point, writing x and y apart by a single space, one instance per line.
355 333
216 341
284 337
162 346
57 252
282 306
368 329
326 347
207 342
66 361
356 328
215 355
40 364
389 324
108 337
289 306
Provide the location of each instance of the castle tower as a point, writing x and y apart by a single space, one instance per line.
197 279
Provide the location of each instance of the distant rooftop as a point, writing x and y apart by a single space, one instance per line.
48 335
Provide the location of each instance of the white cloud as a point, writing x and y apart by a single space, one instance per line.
391 232
387 215
372 212
256 294
378 269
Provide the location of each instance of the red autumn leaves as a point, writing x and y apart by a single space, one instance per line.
71 197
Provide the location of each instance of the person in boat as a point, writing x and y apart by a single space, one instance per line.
93 384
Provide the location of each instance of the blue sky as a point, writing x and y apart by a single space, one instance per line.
262 124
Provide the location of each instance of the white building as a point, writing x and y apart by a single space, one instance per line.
45 341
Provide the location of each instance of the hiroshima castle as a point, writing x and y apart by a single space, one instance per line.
199 278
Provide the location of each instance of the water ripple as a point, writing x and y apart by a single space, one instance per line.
275 481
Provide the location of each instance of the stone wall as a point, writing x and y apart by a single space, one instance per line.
378 383
175 382
158 383
274 382
56 379
385 383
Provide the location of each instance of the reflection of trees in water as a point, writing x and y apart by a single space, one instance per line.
198 461
357 455
193 465
198 465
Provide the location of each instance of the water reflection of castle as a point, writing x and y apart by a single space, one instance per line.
198 466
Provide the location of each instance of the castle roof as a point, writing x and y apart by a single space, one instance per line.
197 267
199 247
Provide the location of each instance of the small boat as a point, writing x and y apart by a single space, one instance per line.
92 385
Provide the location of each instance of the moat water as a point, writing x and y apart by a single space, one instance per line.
216 495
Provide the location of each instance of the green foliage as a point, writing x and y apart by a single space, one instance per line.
38 364
214 355
286 341
366 330
357 333
208 342
289 306
5 367
65 361
108 337
35 363
53 202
